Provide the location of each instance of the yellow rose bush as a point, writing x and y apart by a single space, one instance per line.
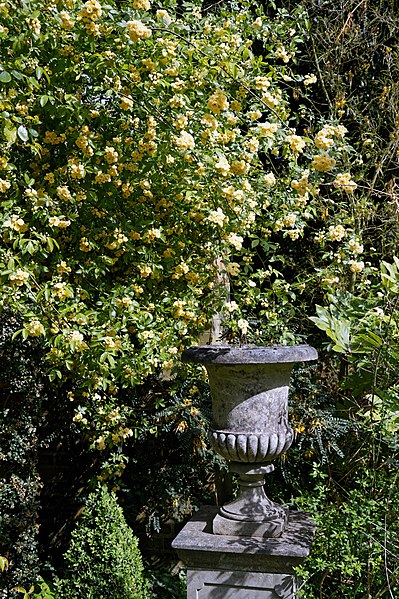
149 155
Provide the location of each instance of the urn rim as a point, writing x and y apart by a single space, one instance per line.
249 354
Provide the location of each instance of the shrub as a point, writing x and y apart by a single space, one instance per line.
39 591
355 549
103 559
21 395
354 498
167 584
152 153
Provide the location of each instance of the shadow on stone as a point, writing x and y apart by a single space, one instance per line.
224 567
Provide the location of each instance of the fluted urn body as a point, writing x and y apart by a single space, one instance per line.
249 387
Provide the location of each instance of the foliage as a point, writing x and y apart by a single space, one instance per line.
170 471
366 329
44 591
355 550
22 390
166 584
322 431
134 126
103 559
160 164
356 499
39 591
354 50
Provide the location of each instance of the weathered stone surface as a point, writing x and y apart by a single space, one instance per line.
196 541
213 584
249 387
252 448
271 525
224 567
249 354
252 513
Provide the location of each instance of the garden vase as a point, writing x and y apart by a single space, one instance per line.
249 387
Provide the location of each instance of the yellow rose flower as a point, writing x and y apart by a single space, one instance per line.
323 162
218 102
138 31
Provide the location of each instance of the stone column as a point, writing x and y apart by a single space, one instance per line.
237 567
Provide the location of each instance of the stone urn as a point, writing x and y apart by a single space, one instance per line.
249 387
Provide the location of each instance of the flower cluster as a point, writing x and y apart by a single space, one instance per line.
16 223
344 181
141 4
323 162
336 233
185 141
138 31
89 13
296 143
218 102
145 177
267 129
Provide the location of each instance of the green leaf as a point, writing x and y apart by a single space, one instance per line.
23 133
339 349
54 374
51 244
369 340
5 77
43 100
338 330
10 133
28 179
232 69
17 75
320 323
3 563
21 590
30 248
34 83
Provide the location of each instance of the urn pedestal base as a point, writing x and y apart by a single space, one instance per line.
271 528
236 567
252 514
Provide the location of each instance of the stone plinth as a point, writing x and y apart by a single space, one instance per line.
237 567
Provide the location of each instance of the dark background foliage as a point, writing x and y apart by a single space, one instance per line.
21 397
